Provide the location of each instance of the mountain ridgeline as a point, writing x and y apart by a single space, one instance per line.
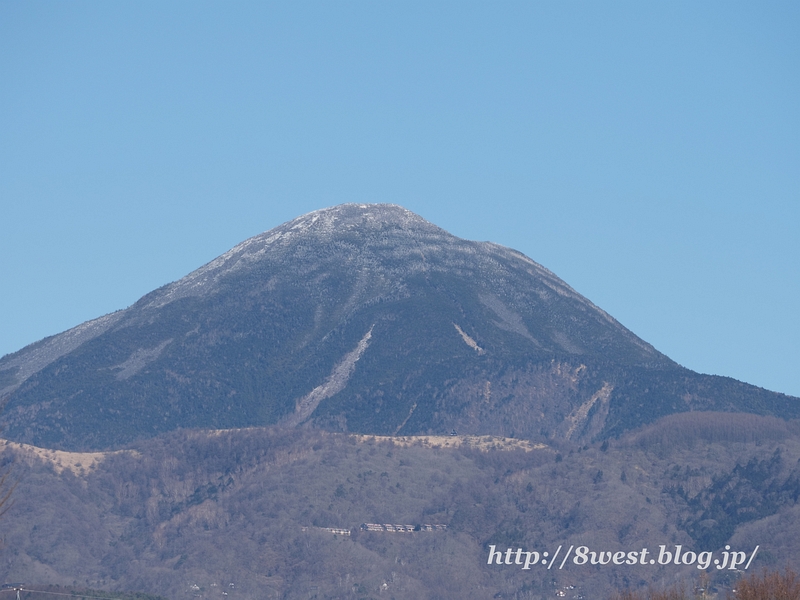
361 319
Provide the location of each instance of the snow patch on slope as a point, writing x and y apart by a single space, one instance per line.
577 418
137 361
334 384
468 340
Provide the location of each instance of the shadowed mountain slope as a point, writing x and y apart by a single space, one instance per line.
357 318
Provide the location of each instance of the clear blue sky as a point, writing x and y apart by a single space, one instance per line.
646 152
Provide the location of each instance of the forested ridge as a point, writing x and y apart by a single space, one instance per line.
198 513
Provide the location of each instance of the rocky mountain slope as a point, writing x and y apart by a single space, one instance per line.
357 318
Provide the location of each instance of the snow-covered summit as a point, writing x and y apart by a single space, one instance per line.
319 226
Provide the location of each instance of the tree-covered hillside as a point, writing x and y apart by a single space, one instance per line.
250 512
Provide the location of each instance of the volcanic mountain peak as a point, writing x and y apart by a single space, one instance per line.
361 217
362 318
382 242
297 237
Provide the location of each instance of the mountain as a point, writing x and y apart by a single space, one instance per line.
361 319
229 434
